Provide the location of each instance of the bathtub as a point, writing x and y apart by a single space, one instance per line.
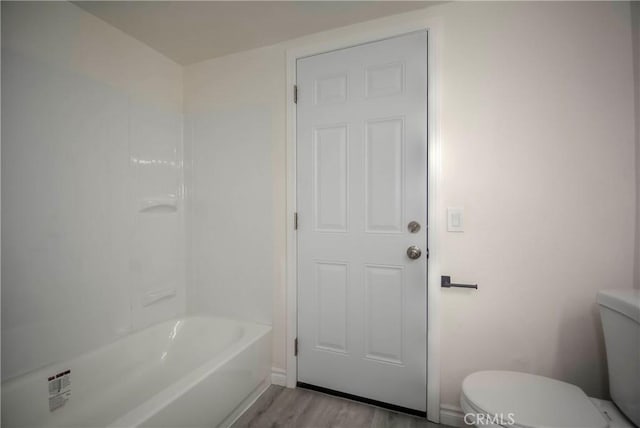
190 372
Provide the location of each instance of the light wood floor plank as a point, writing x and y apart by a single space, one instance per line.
281 407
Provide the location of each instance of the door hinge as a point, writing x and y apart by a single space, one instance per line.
295 94
295 221
295 347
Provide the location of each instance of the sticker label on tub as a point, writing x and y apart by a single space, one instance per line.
59 389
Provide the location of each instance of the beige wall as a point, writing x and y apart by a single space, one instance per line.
537 145
635 22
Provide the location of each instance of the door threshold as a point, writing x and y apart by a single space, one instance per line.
364 400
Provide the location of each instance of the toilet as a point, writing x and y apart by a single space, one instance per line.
514 399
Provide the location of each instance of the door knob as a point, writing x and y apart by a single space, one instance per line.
414 252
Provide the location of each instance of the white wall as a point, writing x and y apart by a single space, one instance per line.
635 23
92 125
537 145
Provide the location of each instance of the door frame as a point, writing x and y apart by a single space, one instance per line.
433 27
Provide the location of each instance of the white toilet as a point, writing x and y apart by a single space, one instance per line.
512 399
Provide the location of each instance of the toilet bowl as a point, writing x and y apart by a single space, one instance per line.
514 399
504 398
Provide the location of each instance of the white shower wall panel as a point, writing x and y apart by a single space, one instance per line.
82 105
232 258
157 240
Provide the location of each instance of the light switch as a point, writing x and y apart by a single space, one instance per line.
455 219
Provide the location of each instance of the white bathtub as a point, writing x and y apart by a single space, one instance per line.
191 372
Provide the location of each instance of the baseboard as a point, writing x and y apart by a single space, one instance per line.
246 403
278 376
452 415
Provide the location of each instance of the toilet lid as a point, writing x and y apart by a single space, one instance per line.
534 401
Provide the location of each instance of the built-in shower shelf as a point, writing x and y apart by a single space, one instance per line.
159 205
152 297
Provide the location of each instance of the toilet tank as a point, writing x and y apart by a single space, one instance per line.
620 313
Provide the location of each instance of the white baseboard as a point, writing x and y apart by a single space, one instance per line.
452 415
278 376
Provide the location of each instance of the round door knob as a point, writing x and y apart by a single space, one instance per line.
414 252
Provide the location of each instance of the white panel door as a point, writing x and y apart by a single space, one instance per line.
361 178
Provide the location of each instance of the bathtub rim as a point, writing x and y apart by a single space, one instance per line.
163 398
56 365
160 398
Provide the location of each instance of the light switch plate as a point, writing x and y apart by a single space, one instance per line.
455 219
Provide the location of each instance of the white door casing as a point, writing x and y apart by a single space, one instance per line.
361 178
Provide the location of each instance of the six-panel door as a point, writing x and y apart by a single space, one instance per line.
361 179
